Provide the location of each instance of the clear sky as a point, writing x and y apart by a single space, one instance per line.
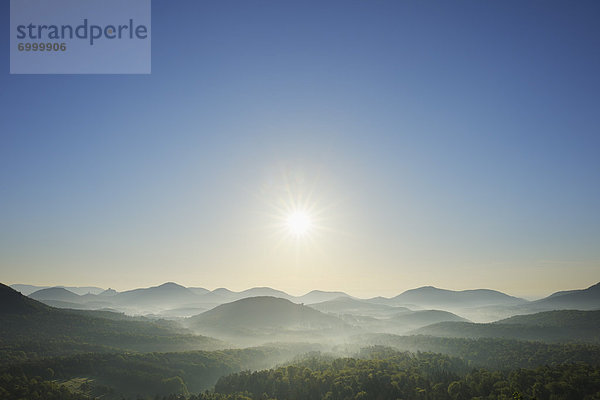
454 144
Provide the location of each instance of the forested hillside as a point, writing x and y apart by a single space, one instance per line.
30 329
146 375
407 376
552 326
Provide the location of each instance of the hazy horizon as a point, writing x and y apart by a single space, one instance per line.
300 293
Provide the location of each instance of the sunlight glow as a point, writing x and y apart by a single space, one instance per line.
299 209
298 223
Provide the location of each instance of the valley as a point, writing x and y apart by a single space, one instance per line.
170 340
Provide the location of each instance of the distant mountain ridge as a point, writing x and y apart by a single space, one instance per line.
80 290
317 296
471 303
257 317
159 299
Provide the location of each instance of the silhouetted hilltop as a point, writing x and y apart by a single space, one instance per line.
429 296
56 293
558 318
318 296
264 316
553 326
166 295
229 295
13 302
263 291
80 290
584 299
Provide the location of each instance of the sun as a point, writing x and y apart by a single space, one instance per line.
298 211
298 223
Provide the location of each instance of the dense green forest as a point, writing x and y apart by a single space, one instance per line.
34 388
373 373
495 353
407 376
145 374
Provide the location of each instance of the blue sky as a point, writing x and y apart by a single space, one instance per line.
446 143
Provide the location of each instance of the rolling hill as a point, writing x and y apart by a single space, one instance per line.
348 305
553 326
29 323
263 291
227 295
319 296
57 294
163 298
558 319
14 303
432 297
173 300
400 323
80 290
584 299
166 295
265 317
